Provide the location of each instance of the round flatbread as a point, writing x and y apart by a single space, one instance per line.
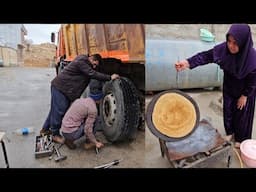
172 115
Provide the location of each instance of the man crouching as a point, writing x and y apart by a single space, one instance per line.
78 121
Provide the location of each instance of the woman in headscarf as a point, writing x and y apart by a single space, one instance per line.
237 58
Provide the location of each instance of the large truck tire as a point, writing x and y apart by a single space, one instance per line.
120 110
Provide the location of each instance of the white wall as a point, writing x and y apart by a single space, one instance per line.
10 35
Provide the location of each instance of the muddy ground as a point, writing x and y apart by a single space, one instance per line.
25 102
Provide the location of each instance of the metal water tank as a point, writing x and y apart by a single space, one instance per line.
161 74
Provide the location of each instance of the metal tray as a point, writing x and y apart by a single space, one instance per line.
39 152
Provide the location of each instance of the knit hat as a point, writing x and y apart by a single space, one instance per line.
97 96
95 87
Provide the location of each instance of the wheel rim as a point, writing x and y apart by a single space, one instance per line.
109 109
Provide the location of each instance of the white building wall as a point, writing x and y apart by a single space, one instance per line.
10 35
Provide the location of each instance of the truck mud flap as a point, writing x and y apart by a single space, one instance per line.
120 110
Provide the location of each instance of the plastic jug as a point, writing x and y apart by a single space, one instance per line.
24 131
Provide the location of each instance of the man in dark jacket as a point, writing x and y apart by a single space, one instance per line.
68 86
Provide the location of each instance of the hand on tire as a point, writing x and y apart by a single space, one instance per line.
115 76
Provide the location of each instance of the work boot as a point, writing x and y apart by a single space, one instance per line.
70 144
58 139
44 132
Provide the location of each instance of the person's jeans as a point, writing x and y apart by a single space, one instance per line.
76 134
59 105
80 131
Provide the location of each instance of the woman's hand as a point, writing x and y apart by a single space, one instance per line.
241 102
181 65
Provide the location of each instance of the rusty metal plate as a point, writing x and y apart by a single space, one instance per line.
172 115
203 139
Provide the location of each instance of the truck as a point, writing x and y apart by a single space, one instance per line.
122 47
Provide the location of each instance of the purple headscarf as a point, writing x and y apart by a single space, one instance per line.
242 63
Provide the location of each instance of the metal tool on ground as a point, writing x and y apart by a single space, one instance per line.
59 157
43 146
52 147
46 147
108 165
97 150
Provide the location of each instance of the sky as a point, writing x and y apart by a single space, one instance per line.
41 33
